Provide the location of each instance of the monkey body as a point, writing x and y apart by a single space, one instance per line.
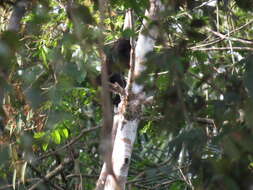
118 56
117 61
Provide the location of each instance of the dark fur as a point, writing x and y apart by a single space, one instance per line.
117 60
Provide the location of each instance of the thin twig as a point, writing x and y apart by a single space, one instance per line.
52 173
83 175
223 36
73 141
221 48
43 177
217 40
186 179
9 186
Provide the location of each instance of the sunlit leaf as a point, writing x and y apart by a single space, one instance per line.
23 172
14 179
45 146
64 133
39 135
56 137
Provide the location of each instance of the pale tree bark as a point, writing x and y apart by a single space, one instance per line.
127 118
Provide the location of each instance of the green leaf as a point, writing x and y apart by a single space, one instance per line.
251 165
43 53
64 133
39 135
23 171
56 137
147 127
44 146
14 179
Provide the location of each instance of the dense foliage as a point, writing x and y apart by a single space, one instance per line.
197 133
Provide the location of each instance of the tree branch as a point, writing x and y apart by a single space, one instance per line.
41 176
53 173
221 48
73 141
223 36
217 40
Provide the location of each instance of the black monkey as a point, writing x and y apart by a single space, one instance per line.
117 60
118 56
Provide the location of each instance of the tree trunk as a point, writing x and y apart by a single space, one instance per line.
127 119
